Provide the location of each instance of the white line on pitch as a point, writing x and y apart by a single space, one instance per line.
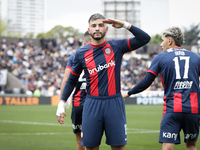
145 131
134 130
42 133
59 133
35 123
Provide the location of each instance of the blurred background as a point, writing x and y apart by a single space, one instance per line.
38 36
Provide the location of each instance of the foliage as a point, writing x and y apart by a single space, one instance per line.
3 27
15 35
29 35
57 31
192 35
60 31
156 39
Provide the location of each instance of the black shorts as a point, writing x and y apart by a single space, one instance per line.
76 117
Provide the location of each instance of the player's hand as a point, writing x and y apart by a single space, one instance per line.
61 119
125 94
60 113
115 23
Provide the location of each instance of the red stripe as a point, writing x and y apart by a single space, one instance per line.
68 67
176 47
98 45
90 64
129 45
177 102
164 105
194 103
162 81
110 60
77 99
74 73
152 72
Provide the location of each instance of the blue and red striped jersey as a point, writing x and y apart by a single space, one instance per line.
80 90
102 64
179 70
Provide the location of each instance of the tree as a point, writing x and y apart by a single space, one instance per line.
3 28
156 39
29 35
192 35
60 31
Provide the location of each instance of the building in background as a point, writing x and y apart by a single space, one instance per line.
23 17
122 10
150 15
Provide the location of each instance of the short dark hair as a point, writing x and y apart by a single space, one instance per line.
86 33
87 37
95 17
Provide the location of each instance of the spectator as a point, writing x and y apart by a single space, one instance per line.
31 61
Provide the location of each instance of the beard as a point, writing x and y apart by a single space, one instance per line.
98 38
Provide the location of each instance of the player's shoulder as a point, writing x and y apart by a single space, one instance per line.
116 41
162 54
72 56
84 48
192 53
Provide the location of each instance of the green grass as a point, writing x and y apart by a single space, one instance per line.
36 128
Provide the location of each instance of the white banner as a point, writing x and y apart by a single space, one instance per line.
3 77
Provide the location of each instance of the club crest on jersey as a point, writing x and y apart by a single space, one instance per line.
107 51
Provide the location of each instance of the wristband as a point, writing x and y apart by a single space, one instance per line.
126 24
60 108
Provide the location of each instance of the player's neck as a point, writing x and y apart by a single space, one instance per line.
172 46
97 42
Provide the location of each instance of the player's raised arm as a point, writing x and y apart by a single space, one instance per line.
140 37
117 23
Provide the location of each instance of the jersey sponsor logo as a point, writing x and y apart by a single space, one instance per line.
183 85
101 67
76 127
83 86
190 136
170 135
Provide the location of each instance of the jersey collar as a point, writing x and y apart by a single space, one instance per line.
98 45
176 48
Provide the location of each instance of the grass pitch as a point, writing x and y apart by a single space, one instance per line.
36 128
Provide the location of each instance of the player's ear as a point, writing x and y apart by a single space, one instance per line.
170 40
106 28
89 30
84 43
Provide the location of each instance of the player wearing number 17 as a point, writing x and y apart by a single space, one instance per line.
179 70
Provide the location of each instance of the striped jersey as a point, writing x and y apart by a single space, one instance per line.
80 90
102 64
179 71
